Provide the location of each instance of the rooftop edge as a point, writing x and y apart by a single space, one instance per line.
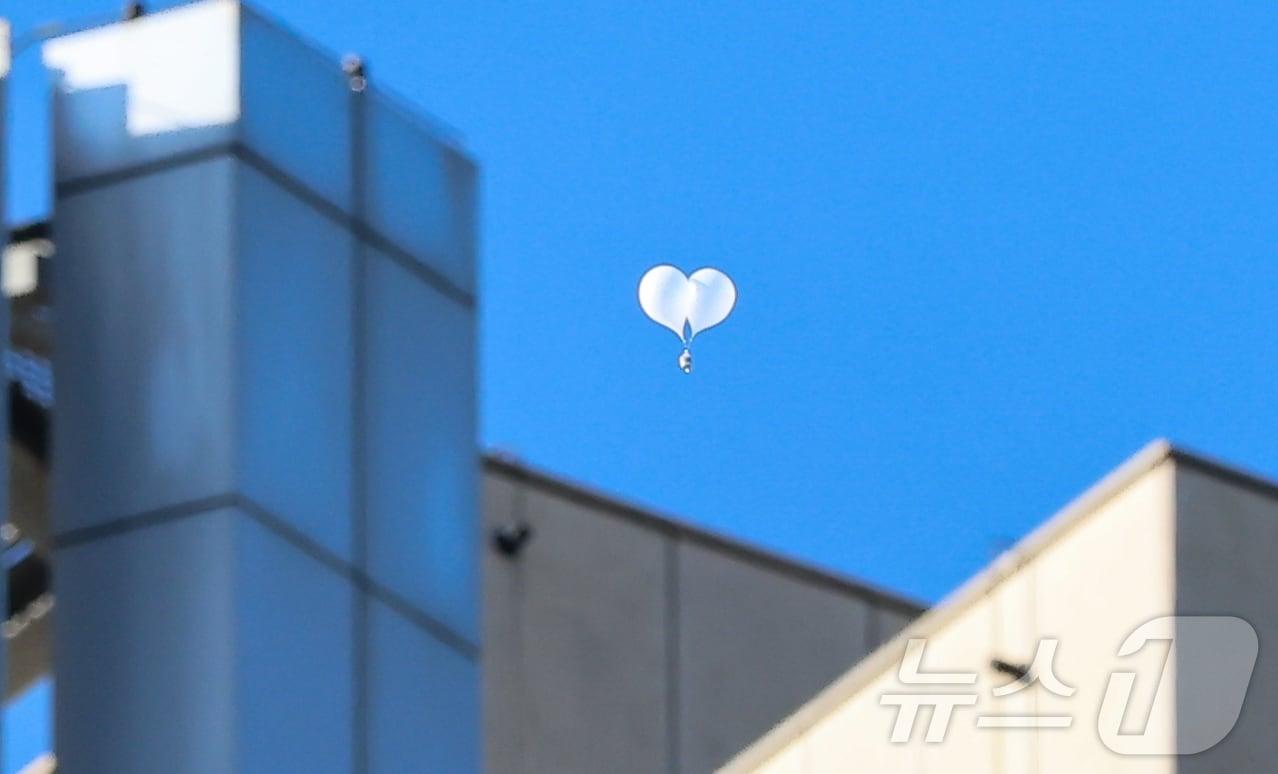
682 530
1153 455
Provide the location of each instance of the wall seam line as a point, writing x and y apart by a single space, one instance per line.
361 634
437 629
674 637
237 149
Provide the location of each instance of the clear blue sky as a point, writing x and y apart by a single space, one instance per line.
27 726
985 251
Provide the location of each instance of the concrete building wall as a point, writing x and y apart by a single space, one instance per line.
621 641
1226 544
752 642
1089 578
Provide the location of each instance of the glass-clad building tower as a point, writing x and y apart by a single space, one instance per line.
265 485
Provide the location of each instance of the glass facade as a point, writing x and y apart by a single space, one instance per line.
294 343
144 337
266 399
296 109
137 93
416 683
419 191
145 649
294 658
422 520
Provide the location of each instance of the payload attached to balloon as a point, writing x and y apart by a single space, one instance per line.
685 304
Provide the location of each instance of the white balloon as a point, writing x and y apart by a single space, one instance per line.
714 297
701 301
666 295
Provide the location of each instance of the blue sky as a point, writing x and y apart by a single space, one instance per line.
27 732
985 251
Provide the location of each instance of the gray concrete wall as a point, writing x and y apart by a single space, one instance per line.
1226 544
621 641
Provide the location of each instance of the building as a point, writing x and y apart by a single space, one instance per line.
1156 586
264 489
621 641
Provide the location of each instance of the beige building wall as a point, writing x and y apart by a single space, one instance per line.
1166 534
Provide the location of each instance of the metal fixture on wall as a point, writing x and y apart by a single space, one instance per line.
511 539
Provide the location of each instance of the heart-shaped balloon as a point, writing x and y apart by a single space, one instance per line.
686 305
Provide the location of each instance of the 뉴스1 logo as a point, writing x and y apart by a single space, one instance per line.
1199 688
